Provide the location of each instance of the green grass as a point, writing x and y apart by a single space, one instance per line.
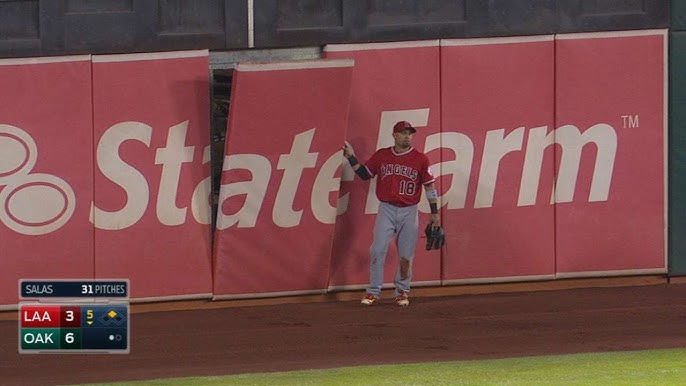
653 367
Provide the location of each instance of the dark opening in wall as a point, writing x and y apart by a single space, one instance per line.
219 102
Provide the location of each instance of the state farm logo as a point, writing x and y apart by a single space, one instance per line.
30 203
38 203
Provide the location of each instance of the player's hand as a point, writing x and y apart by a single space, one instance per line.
348 150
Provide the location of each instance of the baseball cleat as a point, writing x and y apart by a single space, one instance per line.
402 299
369 300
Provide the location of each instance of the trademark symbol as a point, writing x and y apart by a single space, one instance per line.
630 121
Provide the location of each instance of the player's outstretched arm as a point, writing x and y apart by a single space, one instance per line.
349 153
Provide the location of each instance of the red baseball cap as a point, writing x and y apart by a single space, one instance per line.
402 126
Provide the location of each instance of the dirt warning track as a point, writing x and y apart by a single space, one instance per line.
233 340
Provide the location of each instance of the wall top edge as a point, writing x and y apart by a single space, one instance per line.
496 40
45 60
612 34
296 65
380 46
150 56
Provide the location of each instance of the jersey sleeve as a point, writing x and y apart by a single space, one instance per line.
427 174
373 164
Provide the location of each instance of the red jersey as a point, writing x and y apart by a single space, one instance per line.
400 177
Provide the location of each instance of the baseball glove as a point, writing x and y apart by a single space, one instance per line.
435 237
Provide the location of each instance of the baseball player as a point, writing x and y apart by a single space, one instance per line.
401 171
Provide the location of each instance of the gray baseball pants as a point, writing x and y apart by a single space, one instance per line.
401 222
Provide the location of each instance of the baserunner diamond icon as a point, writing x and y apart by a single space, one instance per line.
112 316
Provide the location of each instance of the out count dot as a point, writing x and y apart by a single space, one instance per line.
111 337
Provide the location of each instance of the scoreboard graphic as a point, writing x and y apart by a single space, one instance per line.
74 316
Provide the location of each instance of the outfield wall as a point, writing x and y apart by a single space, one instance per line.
550 152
